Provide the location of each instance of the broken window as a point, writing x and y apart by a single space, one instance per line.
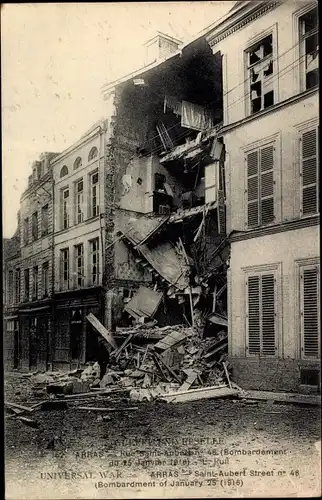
35 282
79 258
309 48
310 172
260 186
79 201
94 261
44 220
64 269
261 315
260 69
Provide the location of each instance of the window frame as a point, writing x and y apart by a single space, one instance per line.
317 156
79 214
301 265
268 269
275 141
25 281
45 283
65 208
64 259
10 295
79 265
272 30
45 227
97 195
302 49
300 84
34 226
17 291
94 253
25 231
93 154
35 283
63 171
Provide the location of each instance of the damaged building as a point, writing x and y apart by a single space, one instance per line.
201 191
165 202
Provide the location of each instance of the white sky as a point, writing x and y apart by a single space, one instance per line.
56 57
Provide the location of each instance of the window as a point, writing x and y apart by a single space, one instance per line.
44 220
309 310
261 315
10 287
260 186
77 163
94 261
93 154
65 208
79 205
64 269
34 226
35 282
17 286
45 279
26 284
26 231
260 69
309 48
94 194
79 258
64 171
310 172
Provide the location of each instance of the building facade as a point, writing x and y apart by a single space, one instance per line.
36 248
11 300
270 131
78 177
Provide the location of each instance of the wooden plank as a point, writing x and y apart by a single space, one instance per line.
158 365
101 329
173 338
94 408
189 381
206 393
284 397
174 375
227 374
118 351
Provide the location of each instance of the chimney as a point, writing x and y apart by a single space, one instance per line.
159 47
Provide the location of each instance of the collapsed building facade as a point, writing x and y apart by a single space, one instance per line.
165 195
208 202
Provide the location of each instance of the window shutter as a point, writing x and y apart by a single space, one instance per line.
253 315
267 184
310 312
268 315
252 189
309 172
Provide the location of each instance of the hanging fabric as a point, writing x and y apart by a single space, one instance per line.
195 117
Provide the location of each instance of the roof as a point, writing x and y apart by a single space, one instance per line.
163 35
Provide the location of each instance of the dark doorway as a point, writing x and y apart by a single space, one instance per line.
42 339
91 343
33 343
76 333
